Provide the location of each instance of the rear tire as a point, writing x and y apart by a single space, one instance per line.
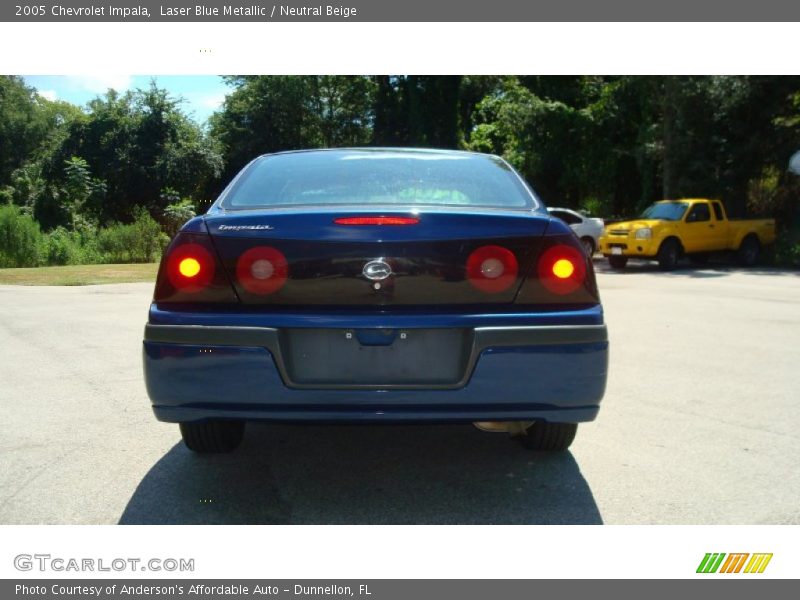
618 262
748 251
548 437
588 246
212 437
668 255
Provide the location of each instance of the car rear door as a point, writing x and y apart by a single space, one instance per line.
719 230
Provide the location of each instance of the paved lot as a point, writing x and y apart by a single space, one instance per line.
699 425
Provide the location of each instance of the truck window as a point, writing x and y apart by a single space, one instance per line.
698 213
718 211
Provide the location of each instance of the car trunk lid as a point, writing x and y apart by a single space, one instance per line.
346 256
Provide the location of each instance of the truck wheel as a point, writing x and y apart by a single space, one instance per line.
588 246
212 437
618 262
748 252
668 255
548 437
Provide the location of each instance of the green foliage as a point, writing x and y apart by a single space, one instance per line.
594 206
787 253
271 113
27 186
23 125
79 187
177 214
546 139
6 195
63 247
140 241
20 238
134 145
29 124
425 110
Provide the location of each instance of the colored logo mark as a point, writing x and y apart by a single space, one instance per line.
717 562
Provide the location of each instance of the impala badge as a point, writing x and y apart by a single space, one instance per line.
377 270
246 227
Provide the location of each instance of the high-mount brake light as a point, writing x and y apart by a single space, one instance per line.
262 270
376 221
562 269
492 269
190 268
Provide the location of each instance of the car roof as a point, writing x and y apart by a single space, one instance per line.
686 200
387 150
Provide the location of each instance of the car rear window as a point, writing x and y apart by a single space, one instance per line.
365 177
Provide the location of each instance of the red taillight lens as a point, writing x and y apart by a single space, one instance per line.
262 270
376 221
190 272
492 269
190 268
562 269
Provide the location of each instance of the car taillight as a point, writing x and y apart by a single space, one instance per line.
191 273
376 221
562 269
190 268
262 270
492 269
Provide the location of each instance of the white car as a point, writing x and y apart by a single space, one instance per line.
588 229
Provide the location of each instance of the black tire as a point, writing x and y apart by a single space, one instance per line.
588 246
618 262
699 259
212 437
749 251
548 437
668 255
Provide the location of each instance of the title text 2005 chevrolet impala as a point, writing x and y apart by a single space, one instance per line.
380 285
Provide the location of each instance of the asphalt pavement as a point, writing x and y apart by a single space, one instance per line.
699 425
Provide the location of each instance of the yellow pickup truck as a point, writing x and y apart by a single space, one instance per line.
694 227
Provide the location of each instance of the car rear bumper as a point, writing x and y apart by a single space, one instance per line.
511 370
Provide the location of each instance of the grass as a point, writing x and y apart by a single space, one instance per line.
79 274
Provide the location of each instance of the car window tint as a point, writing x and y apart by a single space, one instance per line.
718 211
372 177
698 213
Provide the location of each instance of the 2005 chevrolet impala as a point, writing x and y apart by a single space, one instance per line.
382 285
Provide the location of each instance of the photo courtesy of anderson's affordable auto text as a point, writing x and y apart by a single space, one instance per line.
478 294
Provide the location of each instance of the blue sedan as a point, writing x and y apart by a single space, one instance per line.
376 285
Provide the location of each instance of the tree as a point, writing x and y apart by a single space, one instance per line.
266 114
28 122
137 143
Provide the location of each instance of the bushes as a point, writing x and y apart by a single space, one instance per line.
62 247
141 241
21 239
22 244
176 214
787 247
